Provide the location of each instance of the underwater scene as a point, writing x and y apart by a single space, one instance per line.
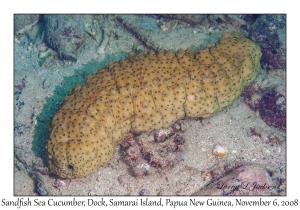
162 104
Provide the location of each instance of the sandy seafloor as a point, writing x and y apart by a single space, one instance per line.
32 104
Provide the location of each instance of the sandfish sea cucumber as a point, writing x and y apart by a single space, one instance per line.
146 92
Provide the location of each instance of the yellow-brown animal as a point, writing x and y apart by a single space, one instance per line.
143 93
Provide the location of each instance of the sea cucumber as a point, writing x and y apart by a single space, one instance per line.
143 93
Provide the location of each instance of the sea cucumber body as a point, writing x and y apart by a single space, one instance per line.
143 93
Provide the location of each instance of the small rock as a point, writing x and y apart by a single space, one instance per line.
144 192
141 169
220 150
183 157
59 183
99 178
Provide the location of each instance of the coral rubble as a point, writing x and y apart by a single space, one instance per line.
144 93
159 149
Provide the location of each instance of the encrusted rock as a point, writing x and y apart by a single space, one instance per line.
268 96
270 33
244 179
66 34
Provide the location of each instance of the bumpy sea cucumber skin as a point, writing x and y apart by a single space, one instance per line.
145 93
